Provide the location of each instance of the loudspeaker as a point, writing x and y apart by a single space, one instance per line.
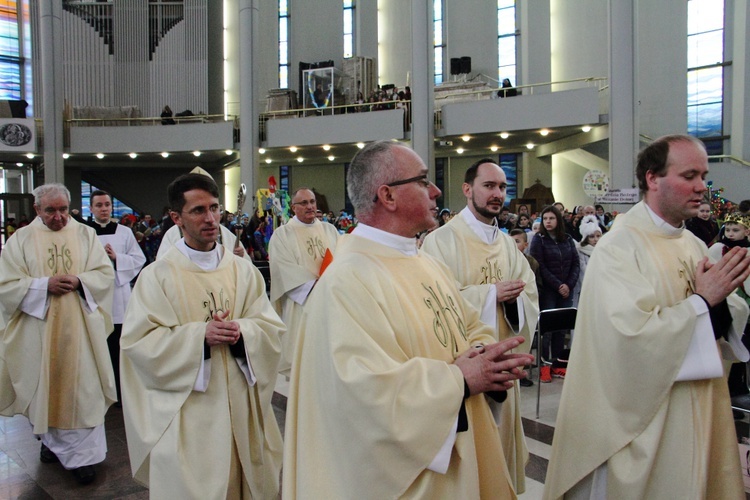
465 64
455 66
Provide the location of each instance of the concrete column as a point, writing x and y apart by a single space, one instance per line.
623 104
422 87
534 63
51 37
249 139
740 94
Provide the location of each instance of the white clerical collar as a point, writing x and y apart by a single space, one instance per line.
295 219
485 232
105 224
664 225
208 261
407 246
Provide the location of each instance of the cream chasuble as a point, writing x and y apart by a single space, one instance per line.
374 393
621 403
295 254
56 371
477 265
187 444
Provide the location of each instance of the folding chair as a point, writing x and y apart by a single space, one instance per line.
550 320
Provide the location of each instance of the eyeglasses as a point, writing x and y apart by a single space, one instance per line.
422 179
201 211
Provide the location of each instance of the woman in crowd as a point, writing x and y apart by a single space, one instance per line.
703 226
524 222
559 266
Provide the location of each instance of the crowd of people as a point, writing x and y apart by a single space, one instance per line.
404 362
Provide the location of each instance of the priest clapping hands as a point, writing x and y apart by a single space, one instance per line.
219 331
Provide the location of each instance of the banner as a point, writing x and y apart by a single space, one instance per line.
624 196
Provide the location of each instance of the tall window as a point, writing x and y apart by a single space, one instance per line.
10 52
283 44
509 164
705 75
348 28
506 40
438 43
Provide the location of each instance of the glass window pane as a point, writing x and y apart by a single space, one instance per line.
438 65
705 86
705 15
706 48
283 7
10 81
348 46
438 33
437 7
283 29
705 120
283 53
501 4
506 50
348 3
283 77
347 21
506 21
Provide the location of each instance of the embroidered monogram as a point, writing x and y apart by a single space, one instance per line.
315 247
491 272
447 317
214 306
60 260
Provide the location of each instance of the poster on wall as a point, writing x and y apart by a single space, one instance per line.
17 134
595 183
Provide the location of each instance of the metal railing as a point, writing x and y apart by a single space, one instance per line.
151 120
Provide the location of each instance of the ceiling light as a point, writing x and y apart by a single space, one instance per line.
165 155
229 152
66 156
465 138
293 149
494 148
530 145
261 151
196 153
331 158
586 128
19 164
300 159
544 132
360 145
504 135
30 156
268 160
326 147
460 150
133 155
100 155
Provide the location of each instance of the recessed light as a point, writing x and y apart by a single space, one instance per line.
326 147
30 156
229 152
100 155
544 132
460 150
494 148
331 158
360 145
586 128
133 155
165 155
504 135
268 160
66 156
196 153
19 164
261 151
530 145
465 138
300 159
293 149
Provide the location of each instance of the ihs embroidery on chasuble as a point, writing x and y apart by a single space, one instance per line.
491 272
215 305
447 320
687 275
60 260
315 247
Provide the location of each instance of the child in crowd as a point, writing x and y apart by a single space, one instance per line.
736 233
521 238
590 234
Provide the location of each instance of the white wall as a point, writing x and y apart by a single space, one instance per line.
579 38
394 41
470 26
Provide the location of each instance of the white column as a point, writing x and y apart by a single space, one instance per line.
422 87
249 139
52 89
623 105
740 95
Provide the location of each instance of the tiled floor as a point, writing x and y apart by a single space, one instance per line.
22 475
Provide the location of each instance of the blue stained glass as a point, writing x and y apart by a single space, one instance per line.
705 120
509 164
705 86
10 81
